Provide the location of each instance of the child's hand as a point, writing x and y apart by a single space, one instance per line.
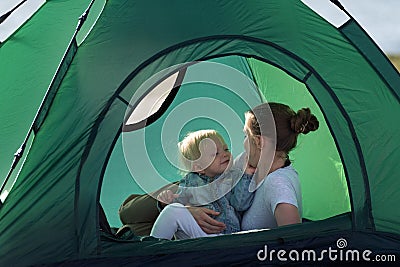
250 170
167 196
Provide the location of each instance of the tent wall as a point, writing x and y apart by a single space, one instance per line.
386 149
28 61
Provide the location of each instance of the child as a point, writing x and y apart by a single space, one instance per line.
211 182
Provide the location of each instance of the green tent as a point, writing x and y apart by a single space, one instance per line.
145 75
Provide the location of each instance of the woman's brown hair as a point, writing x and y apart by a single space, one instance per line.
288 123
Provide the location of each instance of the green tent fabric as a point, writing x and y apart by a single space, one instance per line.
51 215
28 61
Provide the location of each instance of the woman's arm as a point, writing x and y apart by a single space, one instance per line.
286 214
283 194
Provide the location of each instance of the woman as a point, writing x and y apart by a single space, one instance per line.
277 199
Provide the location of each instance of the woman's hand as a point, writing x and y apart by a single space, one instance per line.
206 223
166 197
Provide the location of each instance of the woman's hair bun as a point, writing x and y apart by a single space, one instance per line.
304 122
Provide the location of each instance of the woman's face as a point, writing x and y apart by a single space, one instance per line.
251 145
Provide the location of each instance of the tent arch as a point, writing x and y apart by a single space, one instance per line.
306 74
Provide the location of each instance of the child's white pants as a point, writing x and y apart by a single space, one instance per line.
175 219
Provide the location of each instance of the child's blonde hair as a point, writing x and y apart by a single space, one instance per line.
189 147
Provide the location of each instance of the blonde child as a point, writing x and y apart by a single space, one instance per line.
212 182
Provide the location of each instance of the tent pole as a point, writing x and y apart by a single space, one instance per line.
17 157
6 15
20 151
339 5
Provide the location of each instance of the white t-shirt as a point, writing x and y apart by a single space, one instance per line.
280 186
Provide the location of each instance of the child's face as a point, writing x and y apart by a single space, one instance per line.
218 154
